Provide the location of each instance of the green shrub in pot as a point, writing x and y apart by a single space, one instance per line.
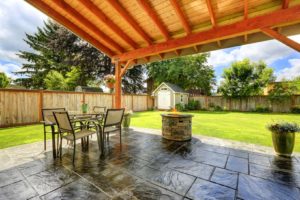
283 137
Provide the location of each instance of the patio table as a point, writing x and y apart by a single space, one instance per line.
84 119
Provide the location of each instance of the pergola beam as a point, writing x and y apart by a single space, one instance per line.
118 85
283 39
129 19
288 15
71 26
181 16
245 17
61 4
144 4
109 23
285 4
127 65
211 13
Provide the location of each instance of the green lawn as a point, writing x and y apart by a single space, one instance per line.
245 127
21 135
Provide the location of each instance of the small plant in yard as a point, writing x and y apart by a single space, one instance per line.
283 137
180 107
262 109
218 108
295 109
193 105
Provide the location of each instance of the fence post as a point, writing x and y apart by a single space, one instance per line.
132 103
41 102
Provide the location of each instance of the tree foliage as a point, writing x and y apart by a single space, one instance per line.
245 78
282 91
4 80
54 48
189 72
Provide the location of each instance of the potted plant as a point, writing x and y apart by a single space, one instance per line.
127 119
109 80
283 137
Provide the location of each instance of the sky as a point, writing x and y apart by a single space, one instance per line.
18 17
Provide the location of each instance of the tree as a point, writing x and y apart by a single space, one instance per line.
56 48
189 72
245 78
55 81
4 80
281 92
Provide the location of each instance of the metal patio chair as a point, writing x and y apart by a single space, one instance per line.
49 121
68 132
112 123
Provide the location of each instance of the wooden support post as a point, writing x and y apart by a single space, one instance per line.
41 99
118 87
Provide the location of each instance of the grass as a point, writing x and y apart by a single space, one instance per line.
21 135
240 126
245 127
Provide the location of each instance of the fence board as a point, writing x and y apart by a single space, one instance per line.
19 107
247 104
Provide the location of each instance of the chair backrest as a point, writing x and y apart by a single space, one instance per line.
114 117
63 121
99 109
48 116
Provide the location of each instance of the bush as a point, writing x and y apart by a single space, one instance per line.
262 109
218 108
193 105
295 109
179 107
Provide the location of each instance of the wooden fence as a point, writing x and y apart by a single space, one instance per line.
19 107
247 104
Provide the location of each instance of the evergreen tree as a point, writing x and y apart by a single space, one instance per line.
57 49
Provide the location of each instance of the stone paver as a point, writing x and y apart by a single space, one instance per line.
149 167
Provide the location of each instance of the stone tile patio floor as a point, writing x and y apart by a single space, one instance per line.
149 167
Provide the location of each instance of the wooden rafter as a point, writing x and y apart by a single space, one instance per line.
61 4
109 23
285 40
196 48
245 17
127 65
161 55
219 43
178 52
285 4
144 4
129 19
181 16
281 16
71 26
211 13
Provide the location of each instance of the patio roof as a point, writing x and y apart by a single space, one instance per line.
140 31
145 31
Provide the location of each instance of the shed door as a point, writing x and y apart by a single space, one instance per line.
164 99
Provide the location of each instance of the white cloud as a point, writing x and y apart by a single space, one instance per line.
269 51
17 18
9 69
289 73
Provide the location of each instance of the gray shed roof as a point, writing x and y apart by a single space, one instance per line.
173 87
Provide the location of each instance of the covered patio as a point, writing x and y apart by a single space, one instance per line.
148 167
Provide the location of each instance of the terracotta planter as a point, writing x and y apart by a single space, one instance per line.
283 143
110 85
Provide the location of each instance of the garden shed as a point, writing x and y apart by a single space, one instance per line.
167 95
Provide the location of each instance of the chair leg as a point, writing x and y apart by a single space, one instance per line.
74 150
45 145
121 137
60 151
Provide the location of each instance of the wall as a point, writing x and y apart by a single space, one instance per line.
247 104
18 107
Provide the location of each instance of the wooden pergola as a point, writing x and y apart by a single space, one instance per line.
140 31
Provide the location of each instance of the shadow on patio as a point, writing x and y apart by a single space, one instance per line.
149 167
